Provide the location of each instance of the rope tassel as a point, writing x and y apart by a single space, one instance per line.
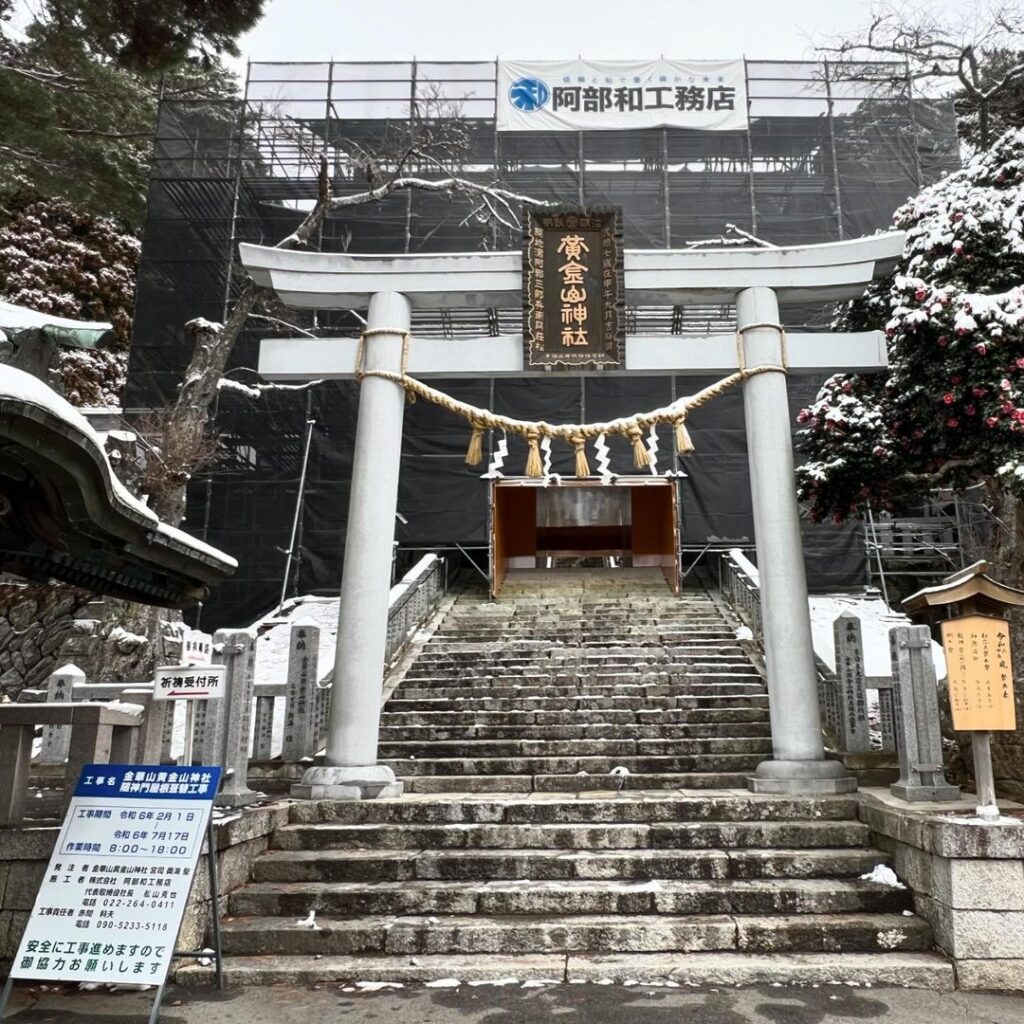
684 443
534 467
641 459
579 443
475 452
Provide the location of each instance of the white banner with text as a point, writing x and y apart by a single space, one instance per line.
580 94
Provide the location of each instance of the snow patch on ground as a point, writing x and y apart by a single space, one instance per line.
882 874
876 619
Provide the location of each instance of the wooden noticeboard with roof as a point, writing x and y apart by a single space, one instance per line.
979 668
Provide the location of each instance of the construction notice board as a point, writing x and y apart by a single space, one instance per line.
115 890
980 673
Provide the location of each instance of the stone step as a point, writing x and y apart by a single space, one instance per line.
593 692
525 898
492 865
679 733
697 835
896 969
559 748
731 698
657 718
805 933
636 807
557 683
576 783
570 765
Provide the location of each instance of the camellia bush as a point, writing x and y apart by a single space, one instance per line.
950 409
949 412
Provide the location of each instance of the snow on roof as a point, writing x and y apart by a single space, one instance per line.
19 318
23 387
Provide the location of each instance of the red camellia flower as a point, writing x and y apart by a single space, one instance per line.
979 392
952 423
991 421
921 294
970 410
981 348
943 340
948 398
878 451
955 379
1020 363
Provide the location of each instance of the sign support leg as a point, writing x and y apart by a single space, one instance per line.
981 746
215 904
157 1003
6 994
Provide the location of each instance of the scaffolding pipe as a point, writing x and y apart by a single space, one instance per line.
298 511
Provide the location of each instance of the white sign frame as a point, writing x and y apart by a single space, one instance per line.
118 882
190 682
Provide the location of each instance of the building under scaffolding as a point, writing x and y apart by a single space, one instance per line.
827 153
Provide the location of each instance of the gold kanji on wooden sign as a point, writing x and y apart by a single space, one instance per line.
980 673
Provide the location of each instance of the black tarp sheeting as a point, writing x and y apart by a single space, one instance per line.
828 155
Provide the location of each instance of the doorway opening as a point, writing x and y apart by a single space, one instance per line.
629 523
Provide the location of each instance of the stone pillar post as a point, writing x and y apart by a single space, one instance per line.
799 765
351 770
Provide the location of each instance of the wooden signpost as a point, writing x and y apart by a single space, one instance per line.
978 663
980 675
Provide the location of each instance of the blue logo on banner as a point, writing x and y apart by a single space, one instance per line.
149 781
529 94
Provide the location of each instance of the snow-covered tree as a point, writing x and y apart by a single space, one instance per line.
57 259
975 51
950 409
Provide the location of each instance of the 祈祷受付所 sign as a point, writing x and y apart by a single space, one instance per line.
119 878
577 94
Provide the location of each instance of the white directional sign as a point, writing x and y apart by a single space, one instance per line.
196 647
119 878
201 682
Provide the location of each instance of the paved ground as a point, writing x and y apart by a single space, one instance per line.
564 1004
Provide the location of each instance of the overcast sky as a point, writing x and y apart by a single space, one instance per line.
551 29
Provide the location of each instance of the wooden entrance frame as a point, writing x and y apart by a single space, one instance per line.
650 538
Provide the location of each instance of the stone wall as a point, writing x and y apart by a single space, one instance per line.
25 851
968 883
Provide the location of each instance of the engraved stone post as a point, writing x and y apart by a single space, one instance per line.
239 653
320 713
263 729
57 738
887 712
167 731
300 737
918 736
850 684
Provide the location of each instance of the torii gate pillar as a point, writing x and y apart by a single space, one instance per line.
351 770
799 764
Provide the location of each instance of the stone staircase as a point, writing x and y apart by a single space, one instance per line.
575 758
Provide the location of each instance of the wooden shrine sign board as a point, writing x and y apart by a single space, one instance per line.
980 673
573 289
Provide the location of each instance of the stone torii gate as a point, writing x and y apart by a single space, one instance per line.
391 286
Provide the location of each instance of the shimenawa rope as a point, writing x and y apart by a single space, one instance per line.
576 434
